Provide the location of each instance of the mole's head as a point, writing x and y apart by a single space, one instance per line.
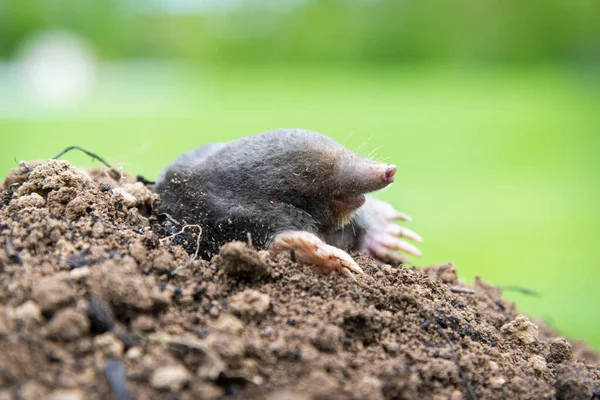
315 173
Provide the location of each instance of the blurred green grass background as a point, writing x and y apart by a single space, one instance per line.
496 137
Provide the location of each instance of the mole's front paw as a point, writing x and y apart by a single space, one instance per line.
309 249
381 238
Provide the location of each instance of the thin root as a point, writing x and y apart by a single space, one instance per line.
461 373
192 258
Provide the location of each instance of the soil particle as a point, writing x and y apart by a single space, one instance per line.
109 345
67 325
198 357
143 323
126 290
17 176
446 273
134 195
537 363
30 314
328 338
66 394
32 390
237 260
571 383
250 304
522 329
559 350
52 293
171 377
94 304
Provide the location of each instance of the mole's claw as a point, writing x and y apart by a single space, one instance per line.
309 249
396 257
401 231
348 263
381 235
403 246
402 216
393 243
384 253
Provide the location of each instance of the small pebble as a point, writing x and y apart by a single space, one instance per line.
496 382
171 377
30 313
134 353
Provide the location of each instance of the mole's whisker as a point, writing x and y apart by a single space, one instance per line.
374 151
348 137
362 146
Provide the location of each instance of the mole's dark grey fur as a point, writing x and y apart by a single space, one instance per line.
282 180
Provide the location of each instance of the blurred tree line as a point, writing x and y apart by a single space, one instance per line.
296 31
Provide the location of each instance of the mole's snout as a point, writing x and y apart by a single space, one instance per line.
366 176
390 173
379 176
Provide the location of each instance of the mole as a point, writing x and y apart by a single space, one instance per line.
289 191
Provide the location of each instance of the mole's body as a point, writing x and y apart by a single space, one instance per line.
289 190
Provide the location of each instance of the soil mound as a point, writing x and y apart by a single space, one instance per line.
94 304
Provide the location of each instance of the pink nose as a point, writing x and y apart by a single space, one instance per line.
389 174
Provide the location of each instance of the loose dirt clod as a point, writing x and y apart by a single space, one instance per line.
522 329
238 260
559 350
94 305
67 325
250 304
51 293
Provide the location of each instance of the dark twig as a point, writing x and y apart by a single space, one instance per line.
115 375
140 178
458 289
455 357
519 289
93 155
500 305
89 153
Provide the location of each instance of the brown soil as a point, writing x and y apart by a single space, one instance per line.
93 304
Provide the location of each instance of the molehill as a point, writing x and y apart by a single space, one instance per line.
95 304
